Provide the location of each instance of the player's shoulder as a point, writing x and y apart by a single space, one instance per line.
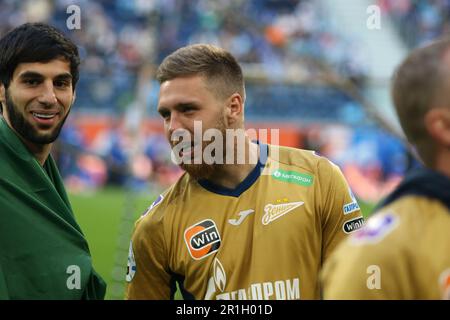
418 207
389 241
382 229
376 246
395 228
391 228
415 217
162 205
303 159
380 242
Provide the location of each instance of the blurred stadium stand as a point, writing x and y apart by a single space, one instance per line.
282 46
418 21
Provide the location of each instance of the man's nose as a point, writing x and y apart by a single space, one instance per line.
48 96
174 123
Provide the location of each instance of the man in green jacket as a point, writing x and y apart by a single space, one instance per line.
43 253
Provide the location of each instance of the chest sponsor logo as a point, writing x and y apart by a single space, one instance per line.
275 211
242 215
271 290
376 229
353 225
218 280
301 179
279 290
202 239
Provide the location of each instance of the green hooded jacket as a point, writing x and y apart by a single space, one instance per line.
43 253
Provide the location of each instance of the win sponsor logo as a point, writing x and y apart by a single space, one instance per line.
202 239
353 225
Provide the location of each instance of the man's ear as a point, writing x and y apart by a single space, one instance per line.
74 97
235 108
437 123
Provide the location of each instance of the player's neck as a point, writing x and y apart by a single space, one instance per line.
40 151
231 175
442 163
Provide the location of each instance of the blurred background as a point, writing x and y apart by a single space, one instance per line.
319 71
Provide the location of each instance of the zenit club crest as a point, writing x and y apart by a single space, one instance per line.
202 239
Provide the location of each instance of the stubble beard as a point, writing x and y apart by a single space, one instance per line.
204 170
25 129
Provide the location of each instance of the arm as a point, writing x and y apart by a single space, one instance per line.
148 274
341 214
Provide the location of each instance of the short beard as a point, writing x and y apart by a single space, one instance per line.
25 129
204 170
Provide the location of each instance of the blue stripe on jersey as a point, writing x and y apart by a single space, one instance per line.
246 183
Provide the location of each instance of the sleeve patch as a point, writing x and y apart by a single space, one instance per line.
154 204
353 225
351 206
131 264
376 229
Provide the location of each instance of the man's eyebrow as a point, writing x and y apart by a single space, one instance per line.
33 74
179 107
183 106
186 105
30 74
64 76
162 109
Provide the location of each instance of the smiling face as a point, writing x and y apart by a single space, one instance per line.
38 100
184 100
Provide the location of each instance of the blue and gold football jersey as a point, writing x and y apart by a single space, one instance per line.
265 239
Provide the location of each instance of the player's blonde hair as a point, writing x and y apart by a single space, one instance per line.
221 70
419 84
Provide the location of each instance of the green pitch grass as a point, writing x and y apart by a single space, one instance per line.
101 216
107 218
366 208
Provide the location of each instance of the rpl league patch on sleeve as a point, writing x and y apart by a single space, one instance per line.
131 264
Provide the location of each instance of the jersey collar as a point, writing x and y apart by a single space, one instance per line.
246 183
422 182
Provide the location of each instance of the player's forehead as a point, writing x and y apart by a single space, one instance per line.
184 90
